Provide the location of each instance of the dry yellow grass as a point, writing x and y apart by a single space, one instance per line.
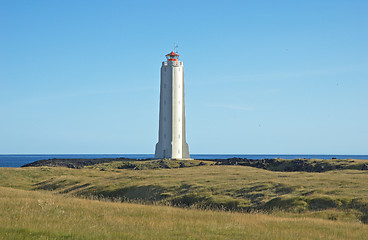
43 215
56 211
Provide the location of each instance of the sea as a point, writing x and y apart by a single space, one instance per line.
18 160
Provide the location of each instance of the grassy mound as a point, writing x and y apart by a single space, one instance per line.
151 164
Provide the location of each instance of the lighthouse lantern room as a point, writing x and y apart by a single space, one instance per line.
172 57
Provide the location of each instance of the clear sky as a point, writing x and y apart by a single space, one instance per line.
261 77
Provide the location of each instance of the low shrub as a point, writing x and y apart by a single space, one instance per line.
293 204
322 202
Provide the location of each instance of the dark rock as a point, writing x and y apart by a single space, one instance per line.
74 163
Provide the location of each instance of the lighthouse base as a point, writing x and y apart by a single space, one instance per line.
167 153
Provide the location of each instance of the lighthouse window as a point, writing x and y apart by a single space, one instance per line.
179 136
178 151
179 85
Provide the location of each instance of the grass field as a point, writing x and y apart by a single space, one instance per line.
42 215
100 202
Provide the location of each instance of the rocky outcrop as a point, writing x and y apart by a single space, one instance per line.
74 163
293 165
282 165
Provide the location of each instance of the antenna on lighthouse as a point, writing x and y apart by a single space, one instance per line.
176 47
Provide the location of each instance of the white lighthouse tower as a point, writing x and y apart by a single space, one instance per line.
171 137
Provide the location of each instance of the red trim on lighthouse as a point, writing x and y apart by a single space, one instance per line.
172 54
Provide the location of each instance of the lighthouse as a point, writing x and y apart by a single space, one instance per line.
171 137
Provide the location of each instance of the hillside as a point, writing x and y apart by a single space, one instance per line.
335 195
43 215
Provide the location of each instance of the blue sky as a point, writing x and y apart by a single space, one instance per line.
262 77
